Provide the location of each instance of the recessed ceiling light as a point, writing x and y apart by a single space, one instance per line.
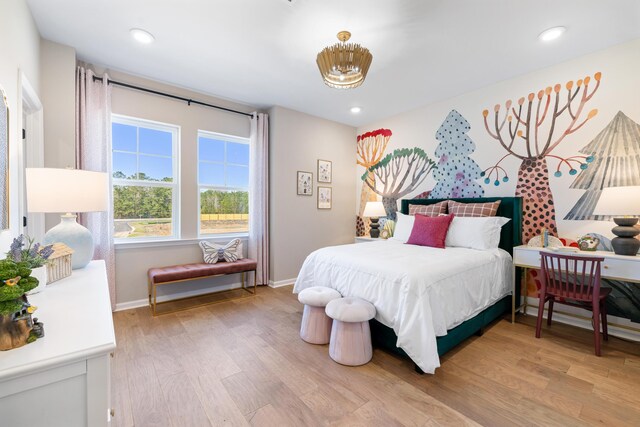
551 34
355 110
141 35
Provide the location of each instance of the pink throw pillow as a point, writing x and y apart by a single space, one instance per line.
430 231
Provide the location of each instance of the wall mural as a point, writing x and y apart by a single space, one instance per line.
371 147
529 132
456 172
616 162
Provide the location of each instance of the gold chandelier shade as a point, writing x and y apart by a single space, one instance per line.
344 65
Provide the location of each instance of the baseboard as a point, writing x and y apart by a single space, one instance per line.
129 305
618 327
281 283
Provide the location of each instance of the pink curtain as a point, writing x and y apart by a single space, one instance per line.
93 139
259 195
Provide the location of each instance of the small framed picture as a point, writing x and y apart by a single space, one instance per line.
324 197
305 183
324 171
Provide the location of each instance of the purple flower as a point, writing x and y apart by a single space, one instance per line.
46 251
15 250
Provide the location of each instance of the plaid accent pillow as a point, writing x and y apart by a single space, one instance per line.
436 209
473 209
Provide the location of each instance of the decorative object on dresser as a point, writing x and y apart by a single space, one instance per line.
324 171
4 161
305 183
23 250
59 265
541 242
68 190
350 334
373 211
588 243
324 198
16 324
573 280
622 203
315 327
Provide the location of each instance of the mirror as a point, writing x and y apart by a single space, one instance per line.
4 161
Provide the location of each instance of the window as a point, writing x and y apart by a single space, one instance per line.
145 179
223 183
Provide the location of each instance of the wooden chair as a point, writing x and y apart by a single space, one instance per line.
576 280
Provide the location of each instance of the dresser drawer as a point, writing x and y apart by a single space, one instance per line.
616 268
526 258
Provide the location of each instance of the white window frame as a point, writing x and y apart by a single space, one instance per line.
174 185
226 138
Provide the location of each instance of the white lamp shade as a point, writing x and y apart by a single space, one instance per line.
374 209
619 201
66 190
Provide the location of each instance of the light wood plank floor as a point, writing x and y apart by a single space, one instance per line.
242 363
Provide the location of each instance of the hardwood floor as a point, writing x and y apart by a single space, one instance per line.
242 363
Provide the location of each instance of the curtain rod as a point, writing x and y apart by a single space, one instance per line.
168 95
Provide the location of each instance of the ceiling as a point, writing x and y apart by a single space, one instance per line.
262 52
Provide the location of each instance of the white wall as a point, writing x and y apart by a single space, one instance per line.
20 53
57 82
297 226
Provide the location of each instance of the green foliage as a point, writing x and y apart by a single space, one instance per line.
24 269
224 202
9 307
28 283
8 269
8 293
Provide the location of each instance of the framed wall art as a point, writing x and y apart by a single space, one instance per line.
324 197
4 161
305 183
324 171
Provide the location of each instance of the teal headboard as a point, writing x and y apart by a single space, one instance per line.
510 207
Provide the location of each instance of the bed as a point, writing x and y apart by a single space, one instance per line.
427 300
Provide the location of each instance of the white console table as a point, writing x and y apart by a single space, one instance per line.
63 379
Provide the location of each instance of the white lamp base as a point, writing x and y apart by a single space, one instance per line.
75 236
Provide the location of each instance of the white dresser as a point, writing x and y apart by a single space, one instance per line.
63 379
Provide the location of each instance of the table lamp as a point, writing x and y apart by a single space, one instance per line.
621 203
68 190
374 210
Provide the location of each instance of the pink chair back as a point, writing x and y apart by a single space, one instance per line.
571 276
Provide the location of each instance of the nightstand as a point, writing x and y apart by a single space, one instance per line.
366 239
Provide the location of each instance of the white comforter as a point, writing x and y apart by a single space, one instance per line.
418 291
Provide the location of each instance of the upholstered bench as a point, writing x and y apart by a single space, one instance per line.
184 272
350 334
315 327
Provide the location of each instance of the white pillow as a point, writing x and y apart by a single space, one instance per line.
208 248
404 225
475 232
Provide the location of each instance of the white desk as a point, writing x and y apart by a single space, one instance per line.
63 379
617 267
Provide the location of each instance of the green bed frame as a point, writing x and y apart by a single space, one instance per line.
510 236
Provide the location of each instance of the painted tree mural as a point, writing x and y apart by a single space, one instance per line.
530 132
398 174
456 172
615 152
370 150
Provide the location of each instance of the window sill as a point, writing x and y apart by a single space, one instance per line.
138 244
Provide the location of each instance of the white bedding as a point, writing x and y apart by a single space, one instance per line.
420 292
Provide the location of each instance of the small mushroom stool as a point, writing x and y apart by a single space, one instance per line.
350 335
316 325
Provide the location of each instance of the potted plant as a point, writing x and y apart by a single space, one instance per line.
24 250
17 327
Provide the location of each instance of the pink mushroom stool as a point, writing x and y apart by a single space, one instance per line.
350 335
316 325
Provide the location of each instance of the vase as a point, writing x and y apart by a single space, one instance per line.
39 273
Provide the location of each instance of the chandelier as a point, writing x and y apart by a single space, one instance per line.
344 65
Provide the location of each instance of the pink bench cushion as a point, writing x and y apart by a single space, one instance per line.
194 271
